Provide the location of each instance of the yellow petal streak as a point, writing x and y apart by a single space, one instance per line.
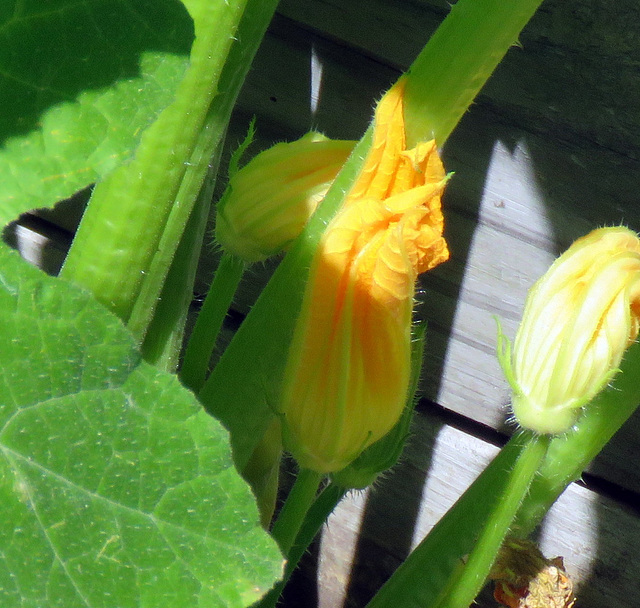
348 368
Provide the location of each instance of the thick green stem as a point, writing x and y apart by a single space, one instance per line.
135 219
295 509
468 582
316 517
202 161
205 333
205 160
441 551
457 61
122 229
434 574
163 340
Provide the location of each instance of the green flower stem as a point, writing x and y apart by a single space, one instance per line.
457 61
302 495
204 161
205 333
147 298
471 577
317 515
569 454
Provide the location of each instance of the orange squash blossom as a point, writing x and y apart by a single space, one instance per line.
347 373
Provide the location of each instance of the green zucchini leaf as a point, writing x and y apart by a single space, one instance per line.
117 489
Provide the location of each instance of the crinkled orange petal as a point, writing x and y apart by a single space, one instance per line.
380 169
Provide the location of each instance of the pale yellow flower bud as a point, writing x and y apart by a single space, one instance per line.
578 321
271 198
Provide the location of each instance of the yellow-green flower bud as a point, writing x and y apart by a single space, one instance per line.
271 198
578 321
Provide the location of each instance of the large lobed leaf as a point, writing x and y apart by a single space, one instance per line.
117 489
79 82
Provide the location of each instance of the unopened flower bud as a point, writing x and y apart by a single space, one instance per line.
578 321
271 198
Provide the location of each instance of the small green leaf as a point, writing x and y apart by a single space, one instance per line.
117 489
79 82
